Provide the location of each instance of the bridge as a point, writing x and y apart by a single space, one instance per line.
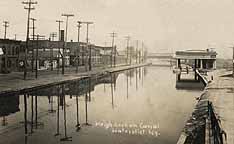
161 59
160 55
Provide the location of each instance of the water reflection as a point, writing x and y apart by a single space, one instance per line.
62 109
9 104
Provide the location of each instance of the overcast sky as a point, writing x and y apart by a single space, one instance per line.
163 25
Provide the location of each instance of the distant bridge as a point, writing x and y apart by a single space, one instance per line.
161 59
160 55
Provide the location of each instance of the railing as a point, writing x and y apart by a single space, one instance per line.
214 132
204 126
203 79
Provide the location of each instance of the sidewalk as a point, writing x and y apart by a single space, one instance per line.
221 93
14 81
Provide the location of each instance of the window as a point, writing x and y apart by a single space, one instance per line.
17 50
4 49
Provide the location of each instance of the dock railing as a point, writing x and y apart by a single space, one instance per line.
214 133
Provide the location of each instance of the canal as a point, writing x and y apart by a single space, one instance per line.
133 107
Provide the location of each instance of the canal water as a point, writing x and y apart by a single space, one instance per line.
131 107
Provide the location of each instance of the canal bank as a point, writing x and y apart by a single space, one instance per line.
212 118
15 83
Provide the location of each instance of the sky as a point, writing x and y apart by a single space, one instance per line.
163 25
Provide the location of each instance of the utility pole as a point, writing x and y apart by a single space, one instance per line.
142 53
38 37
127 49
33 28
233 61
59 39
78 48
136 50
6 25
113 35
52 36
139 57
65 44
29 7
87 45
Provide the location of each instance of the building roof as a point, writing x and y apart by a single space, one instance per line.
196 54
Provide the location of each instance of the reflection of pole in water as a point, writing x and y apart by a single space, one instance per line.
66 138
26 139
36 110
114 80
130 75
89 88
25 115
142 81
32 114
86 101
127 83
136 80
77 114
139 73
51 105
86 109
58 102
112 92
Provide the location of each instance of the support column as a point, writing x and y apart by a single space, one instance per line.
214 64
178 77
201 64
178 63
195 68
195 64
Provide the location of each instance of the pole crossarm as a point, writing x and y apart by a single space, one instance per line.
6 25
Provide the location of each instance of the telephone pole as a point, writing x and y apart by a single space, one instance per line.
59 39
87 44
136 50
6 25
52 36
29 8
78 48
127 49
142 52
38 37
113 35
233 61
65 44
33 28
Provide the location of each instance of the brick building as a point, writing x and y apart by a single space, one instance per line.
12 53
